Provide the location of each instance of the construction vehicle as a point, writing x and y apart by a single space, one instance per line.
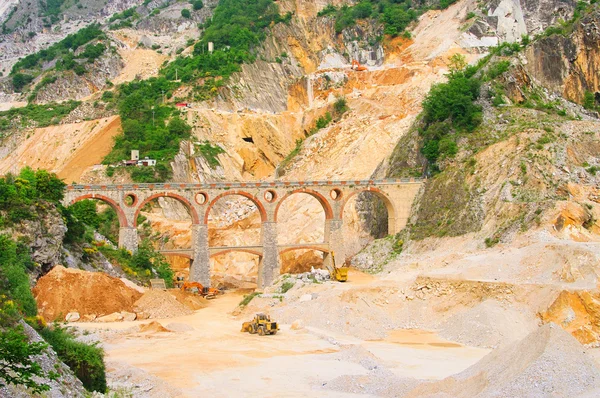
357 66
206 292
340 274
261 324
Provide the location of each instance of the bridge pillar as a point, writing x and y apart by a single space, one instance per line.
335 240
200 264
268 269
128 238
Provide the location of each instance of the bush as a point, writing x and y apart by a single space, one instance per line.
186 13
286 286
198 5
20 80
85 360
497 69
340 106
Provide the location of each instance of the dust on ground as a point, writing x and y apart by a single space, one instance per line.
205 353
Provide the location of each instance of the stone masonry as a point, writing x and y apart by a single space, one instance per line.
127 200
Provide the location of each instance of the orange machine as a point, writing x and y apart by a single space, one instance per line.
207 292
357 66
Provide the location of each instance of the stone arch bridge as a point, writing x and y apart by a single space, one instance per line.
128 199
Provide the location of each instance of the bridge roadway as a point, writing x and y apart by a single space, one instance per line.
199 198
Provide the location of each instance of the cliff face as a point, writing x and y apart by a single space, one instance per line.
569 65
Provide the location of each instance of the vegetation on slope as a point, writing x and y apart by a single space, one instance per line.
142 265
34 115
27 68
395 15
27 197
237 28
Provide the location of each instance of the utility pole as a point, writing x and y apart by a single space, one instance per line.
163 96
176 74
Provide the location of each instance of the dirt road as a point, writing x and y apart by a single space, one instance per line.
207 354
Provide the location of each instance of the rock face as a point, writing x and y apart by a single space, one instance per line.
577 313
569 65
46 235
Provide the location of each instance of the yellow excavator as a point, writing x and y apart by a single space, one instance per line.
340 274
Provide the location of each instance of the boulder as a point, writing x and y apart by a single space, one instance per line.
297 325
114 317
72 317
305 297
128 316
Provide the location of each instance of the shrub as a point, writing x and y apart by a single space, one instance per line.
186 13
340 106
85 360
286 286
20 80
248 298
198 5
497 69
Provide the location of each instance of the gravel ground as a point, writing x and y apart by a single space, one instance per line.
548 362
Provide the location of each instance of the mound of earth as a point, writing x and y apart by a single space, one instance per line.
161 304
65 290
548 362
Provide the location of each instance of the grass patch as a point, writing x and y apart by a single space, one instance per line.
248 298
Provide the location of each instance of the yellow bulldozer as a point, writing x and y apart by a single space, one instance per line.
340 274
261 324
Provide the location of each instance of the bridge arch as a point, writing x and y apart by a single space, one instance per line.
389 205
179 198
320 198
114 205
253 199
304 247
236 249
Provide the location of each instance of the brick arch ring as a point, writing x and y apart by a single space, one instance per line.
120 214
253 199
236 250
389 206
300 247
179 198
322 200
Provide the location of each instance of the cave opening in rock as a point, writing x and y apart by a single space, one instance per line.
248 139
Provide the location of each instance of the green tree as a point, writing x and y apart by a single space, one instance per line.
85 211
186 13
18 365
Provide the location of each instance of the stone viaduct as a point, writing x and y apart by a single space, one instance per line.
128 199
